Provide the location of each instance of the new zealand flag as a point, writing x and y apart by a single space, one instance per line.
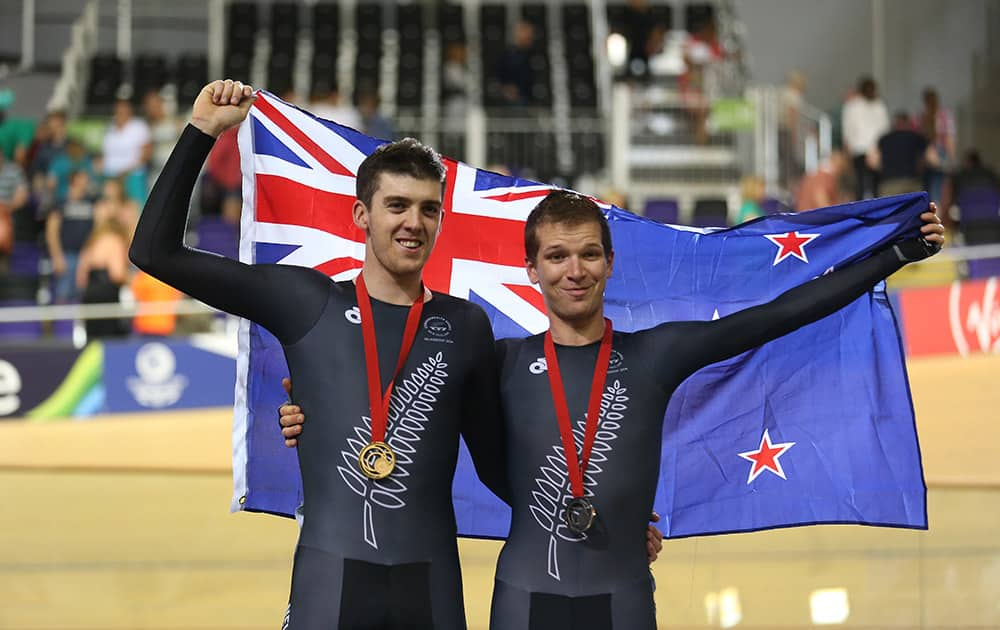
815 427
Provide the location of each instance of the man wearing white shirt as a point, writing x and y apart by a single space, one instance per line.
127 148
865 119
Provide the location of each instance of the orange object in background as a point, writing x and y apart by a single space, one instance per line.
147 289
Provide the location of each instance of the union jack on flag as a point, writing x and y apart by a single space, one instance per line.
298 190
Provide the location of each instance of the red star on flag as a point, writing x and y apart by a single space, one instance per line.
790 244
766 457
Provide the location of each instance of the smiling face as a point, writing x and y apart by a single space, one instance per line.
401 222
572 268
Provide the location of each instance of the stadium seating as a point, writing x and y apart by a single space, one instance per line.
980 225
579 56
541 89
326 47
19 331
710 213
367 66
241 35
218 236
410 78
493 40
106 74
284 30
149 72
662 210
190 75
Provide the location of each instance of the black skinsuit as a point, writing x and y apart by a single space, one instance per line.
549 577
371 554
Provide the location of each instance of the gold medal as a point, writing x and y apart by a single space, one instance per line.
377 460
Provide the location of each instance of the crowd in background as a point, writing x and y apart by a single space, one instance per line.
874 154
68 207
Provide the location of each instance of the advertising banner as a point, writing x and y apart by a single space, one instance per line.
963 318
165 374
29 375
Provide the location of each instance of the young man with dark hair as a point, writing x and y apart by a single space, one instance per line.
377 546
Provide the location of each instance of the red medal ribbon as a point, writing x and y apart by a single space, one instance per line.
575 469
380 404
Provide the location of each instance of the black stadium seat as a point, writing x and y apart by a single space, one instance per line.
326 47
190 74
367 66
410 77
105 79
149 72
710 213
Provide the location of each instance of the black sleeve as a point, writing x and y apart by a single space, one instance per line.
691 346
284 299
482 416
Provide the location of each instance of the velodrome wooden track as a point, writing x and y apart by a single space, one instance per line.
122 523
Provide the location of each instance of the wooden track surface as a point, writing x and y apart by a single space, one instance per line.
122 523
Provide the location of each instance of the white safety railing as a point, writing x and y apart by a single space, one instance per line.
786 147
71 87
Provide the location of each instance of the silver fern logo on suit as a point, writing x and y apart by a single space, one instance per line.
410 408
553 491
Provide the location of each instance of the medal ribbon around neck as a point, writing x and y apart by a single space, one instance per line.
575 469
380 403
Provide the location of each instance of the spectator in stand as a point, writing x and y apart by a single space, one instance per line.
821 188
900 156
127 147
101 272
13 198
972 178
454 81
67 228
148 290
751 197
699 84
23 206
50 141
790 145
865 119
372 122
326 103
221 186
15 133
514 71
114 205
938 126
72 159
975 175
163 129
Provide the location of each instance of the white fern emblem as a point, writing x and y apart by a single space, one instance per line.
410 407
554 490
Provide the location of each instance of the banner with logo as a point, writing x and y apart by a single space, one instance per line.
165 374
963 318
29 375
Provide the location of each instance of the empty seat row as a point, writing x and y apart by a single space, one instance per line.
108 73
